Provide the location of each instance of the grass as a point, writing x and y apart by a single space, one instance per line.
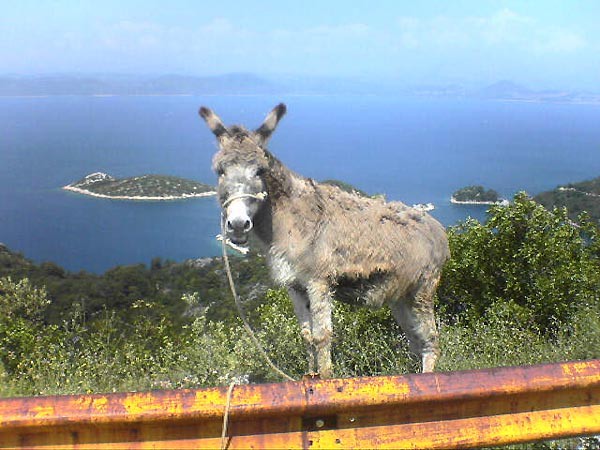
112 354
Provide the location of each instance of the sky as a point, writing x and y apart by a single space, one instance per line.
544 44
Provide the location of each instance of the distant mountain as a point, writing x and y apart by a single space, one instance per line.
230 84
173 84
250 84
449 91
506 90
235 83
51 85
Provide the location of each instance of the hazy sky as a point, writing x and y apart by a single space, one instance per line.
541 43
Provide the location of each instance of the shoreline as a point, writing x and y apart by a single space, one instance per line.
476 202
138 197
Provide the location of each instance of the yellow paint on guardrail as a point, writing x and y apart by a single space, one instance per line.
439 410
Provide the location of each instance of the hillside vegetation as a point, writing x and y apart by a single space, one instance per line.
576 197
521 288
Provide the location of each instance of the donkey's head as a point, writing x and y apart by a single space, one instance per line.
240 164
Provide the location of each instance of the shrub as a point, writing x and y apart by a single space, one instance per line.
22 330
536 261
368 342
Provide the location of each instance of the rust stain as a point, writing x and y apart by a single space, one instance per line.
441 410
144 403
576 368
99 405
39 411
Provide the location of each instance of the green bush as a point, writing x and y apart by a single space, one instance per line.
537 262
365 341
276 327
22 330
368 342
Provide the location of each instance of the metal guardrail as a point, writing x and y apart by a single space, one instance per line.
439 410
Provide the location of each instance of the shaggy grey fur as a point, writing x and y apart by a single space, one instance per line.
321 241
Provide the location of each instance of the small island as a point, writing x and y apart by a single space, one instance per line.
145 187
476 195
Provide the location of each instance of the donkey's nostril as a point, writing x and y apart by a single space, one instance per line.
247 225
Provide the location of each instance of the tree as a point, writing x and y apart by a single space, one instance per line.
21 322
535 262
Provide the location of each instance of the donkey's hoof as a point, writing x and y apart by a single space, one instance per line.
311 376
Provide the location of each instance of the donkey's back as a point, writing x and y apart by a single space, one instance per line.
357 237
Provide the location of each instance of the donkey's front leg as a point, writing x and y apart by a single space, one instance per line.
301 304
319 295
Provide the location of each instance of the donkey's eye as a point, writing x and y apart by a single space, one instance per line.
260 171
220 172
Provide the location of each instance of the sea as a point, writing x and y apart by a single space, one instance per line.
416 150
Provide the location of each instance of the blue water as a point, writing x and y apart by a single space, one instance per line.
414 150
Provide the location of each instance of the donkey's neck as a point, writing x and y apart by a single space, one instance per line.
289 197
279 185
280 181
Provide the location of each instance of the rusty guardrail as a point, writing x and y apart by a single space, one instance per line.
439 410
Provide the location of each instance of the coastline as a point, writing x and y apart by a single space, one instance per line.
139 198
475 202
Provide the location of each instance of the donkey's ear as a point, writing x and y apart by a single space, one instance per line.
271 121
213 121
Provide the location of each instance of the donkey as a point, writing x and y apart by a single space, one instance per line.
321 241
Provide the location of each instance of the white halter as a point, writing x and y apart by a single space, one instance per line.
259 196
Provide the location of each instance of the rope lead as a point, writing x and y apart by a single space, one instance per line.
226 416
238 305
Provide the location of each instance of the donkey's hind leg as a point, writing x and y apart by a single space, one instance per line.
415 314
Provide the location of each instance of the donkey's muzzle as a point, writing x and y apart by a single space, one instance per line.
237 229
239 225
238 218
